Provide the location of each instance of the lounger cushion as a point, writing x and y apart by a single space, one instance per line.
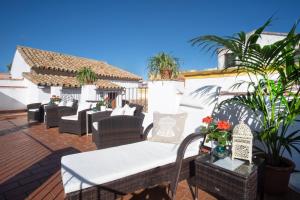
168 127
70 117
92 168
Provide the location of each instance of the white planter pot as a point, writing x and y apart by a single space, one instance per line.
102 108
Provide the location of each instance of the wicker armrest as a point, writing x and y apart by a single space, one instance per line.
33 106
100 115
147 130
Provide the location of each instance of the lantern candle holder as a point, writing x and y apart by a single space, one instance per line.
242 142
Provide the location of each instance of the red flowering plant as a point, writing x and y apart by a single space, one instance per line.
218 131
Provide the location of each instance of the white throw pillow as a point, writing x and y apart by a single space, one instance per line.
117 111
128 110
69 103
168 128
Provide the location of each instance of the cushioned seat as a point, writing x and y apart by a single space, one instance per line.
34 110
70 117
92 168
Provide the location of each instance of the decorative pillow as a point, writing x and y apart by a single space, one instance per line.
168 128
117 111
69 103
129 110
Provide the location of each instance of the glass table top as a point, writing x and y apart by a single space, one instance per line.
240 167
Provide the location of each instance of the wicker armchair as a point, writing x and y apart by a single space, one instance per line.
73 123
35 112
109 131
54 113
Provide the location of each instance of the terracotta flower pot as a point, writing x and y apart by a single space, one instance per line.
166 73
277 178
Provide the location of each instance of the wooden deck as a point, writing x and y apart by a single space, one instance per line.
30 163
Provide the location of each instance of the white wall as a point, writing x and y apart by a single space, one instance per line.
164 96
265 39
18 66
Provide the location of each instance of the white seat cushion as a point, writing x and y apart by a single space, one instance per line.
70 117
92 168
33 110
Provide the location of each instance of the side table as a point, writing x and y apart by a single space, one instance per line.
242 182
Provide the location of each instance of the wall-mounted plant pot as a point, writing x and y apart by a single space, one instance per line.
166 73
277 178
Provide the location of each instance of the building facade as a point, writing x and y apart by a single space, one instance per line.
37 74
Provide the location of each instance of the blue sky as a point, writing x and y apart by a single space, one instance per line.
126 33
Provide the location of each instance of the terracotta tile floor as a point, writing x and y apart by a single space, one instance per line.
30 163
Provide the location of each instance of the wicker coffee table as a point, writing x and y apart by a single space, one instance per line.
241 182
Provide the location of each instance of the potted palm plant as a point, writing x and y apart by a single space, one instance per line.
87 77
273 96
163 64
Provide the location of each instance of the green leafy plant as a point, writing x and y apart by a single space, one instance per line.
163 61
216 131
86 76
273 89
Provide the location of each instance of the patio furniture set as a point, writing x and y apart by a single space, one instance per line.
77 118
130 157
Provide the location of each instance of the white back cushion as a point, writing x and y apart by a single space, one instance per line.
69 103
117 111
128 110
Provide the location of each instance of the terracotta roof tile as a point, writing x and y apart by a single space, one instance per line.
66 81
57 61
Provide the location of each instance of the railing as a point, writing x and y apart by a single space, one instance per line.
136 95
116 98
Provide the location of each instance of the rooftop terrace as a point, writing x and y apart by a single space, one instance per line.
30 163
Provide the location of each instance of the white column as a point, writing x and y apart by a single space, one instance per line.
56 90
88 92
164 96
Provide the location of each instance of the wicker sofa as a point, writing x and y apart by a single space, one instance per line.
109 131
35 112
54 113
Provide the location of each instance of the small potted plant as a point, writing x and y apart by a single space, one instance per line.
87 78
54 100
217 131
164 65
101 105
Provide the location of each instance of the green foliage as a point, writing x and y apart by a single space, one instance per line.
163 61
86 76
8 66
273 89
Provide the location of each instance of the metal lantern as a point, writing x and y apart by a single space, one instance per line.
242 141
